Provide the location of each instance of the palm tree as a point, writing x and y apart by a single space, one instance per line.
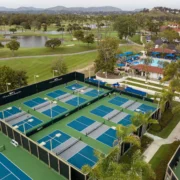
143 119
125 134
138 169
148 46
164 46
178 48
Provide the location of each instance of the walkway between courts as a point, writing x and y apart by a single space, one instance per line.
158 142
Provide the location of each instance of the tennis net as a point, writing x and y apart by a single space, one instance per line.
64 97
15 116
94 128
114 115
67 145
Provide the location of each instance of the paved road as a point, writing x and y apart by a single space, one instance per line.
70 54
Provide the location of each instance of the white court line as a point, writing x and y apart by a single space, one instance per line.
6 176
9 170
87 157
15 166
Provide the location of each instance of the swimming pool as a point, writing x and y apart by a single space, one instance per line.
155 63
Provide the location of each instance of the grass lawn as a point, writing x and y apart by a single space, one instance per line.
136 39
5 52
42 66
167 123
162 157
143 82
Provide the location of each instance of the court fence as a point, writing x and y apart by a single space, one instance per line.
39 87
56 163
170 175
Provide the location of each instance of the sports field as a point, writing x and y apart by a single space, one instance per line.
28 113
92 128
17 163
76 137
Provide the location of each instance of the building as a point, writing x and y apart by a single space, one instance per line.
154 72
173 168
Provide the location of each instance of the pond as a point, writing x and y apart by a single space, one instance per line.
30 41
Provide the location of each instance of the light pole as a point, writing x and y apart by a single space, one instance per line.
50 140
54 71
24 128
3 115
7 86
51 102
35 76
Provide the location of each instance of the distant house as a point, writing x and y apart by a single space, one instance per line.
154 72
173 25
161 50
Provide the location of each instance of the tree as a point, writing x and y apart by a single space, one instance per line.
178 48
59 66
153 26
52 43
170 35
106 59
61 29
147 62
44 26
79 35
1 45
89 39
36 25
124 135
13 30
164 46
125 26
17 78
143 119
148 46
13 45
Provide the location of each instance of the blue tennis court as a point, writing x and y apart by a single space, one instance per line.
74 86
56 141
34 102
26 125
84 157
76 101
81 123
108 137
125 121
9 112
118 101
56 94
102 111
55 111
145 108
9 171
94 93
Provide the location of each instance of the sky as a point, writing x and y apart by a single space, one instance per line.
124 5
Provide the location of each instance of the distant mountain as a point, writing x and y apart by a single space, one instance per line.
82 9
5 9
28 9
60 9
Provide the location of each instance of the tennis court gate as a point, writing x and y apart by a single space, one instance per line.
54 162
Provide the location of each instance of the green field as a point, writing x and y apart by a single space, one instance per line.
5 52
161 159
42 65
28 163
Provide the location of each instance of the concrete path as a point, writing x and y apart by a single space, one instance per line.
158 142
51 55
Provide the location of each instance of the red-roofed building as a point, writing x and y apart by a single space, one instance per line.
154 72
161 50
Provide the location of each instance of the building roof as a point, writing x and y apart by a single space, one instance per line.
161 50
151 69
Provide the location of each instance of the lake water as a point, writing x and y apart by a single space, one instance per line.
30 41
